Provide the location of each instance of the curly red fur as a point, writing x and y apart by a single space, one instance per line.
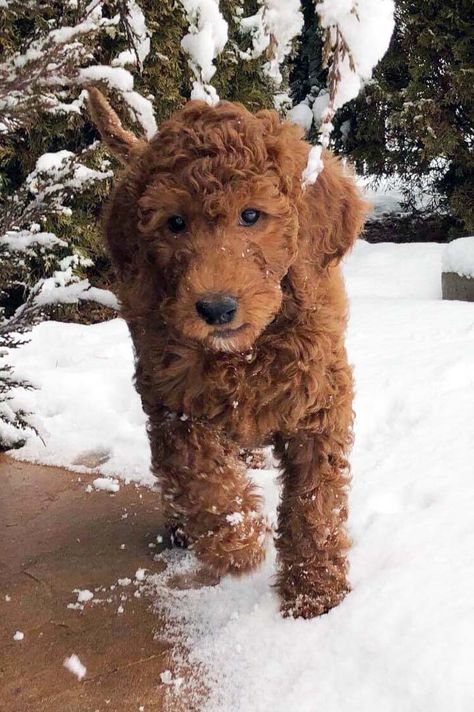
280 375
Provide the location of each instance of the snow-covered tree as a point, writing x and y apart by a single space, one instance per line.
42 262
414 119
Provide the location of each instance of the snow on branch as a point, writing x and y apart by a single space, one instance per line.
37 78
30 80
137 34
55 179
356 36
120 79
273 29
206 39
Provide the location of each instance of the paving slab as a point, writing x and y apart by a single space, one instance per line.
56 537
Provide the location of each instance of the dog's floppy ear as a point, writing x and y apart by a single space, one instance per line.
122 143
331 215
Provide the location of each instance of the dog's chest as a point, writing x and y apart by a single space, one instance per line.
250 396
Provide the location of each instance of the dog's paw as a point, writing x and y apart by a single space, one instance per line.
306 605
236 547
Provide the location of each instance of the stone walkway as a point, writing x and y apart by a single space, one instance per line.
56 537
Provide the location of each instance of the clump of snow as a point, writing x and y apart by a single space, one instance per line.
365 28
83 595
18 635
167 678
273 29
120 79
301 115
106 484
140 36
28 241
74 665
56 290
458 257
205 40
314 166
57 173
358 33
283 21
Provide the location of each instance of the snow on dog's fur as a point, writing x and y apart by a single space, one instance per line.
227 272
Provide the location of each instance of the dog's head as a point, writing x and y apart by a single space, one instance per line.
209 223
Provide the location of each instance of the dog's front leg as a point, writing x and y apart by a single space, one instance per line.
312 542
206 492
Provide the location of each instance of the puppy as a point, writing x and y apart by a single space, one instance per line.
227 273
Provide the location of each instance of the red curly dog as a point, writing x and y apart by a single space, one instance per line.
227 272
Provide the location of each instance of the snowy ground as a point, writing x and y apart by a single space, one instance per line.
402 641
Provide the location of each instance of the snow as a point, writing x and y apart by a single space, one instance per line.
313 167
83 595
405 272
458 257
18 635
359 32
166 677
121 80
53 291
140 35
366 26
388 194
29 241
402 640
302 115
273 29
59 171
85 401
74 665
205 40
106 484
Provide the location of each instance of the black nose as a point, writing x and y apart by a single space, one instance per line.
220 309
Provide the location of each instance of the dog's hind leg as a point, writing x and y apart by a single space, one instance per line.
312 542
206 492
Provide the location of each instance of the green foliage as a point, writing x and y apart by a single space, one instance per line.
416 118
236 79
166 76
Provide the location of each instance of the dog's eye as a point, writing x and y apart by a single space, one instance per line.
249 217
176 223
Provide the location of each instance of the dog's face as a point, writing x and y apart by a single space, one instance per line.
221 248
220 227
206 222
